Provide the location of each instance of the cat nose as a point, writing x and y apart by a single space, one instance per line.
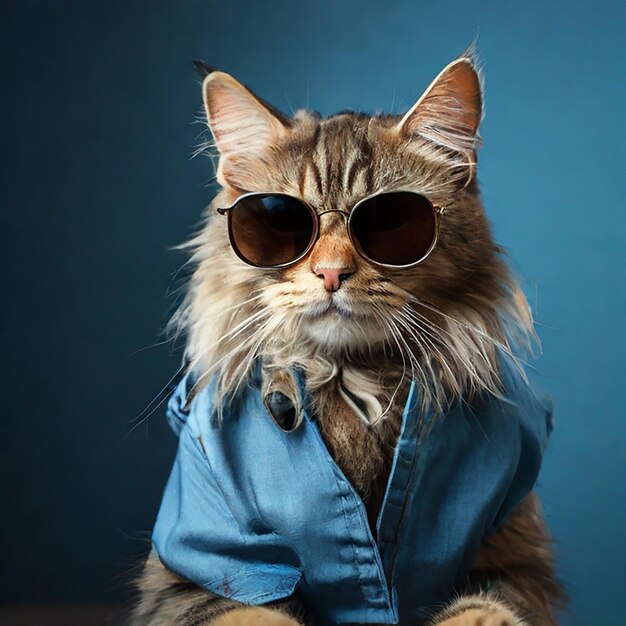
333 276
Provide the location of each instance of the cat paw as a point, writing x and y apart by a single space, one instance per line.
478 617
478 611
254 616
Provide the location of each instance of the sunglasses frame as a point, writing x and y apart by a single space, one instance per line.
438 211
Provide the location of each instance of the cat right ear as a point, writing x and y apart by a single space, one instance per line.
449 112
244 128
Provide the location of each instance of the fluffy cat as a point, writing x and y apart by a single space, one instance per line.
441 323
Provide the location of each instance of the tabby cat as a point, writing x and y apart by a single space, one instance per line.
360 330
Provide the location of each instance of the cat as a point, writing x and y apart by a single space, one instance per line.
441 323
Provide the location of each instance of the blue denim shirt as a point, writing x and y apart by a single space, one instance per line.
257 514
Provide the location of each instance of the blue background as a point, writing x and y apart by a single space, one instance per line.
98 101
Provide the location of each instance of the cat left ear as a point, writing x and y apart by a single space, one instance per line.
243 126
449 111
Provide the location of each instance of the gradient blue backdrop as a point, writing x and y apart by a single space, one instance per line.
97 109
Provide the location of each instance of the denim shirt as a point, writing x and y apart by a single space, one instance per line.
256 514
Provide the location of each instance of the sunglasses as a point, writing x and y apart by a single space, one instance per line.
274 230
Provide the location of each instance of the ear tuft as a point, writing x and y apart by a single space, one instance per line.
203 69
471 54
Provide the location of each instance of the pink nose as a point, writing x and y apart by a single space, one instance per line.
333 276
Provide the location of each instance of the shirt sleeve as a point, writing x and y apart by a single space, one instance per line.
534 423
197 537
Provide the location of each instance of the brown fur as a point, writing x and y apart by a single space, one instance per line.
440 323
165 599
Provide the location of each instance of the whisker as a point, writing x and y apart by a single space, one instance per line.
214 365
501 345
402 377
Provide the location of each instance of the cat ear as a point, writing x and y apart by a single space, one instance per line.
449 111
243 126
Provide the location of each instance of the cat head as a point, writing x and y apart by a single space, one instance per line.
441 322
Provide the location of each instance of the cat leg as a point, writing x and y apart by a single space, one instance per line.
482 609
254 616
513 581
166 599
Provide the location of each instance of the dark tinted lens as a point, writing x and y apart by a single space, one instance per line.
270 230
396 228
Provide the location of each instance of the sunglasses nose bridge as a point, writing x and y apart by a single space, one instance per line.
341 212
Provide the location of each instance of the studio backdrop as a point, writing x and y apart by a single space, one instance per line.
100 119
